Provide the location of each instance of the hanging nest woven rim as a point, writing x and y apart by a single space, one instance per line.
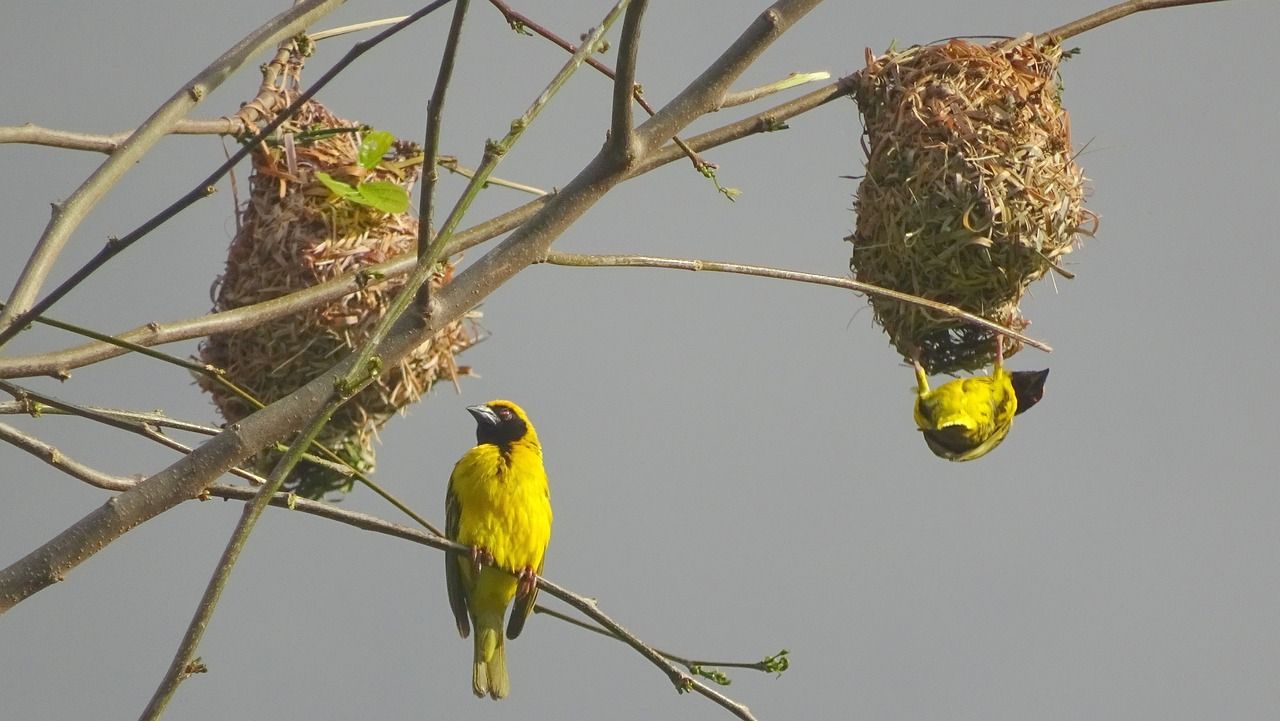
971 191
293 234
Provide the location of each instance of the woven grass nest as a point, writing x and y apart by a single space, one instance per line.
293 234
971 191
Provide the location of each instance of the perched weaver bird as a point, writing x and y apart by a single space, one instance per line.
500 505
968 417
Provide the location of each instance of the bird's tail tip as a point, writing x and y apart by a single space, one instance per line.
489 676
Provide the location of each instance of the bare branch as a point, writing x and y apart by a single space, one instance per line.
770 664
624 82
354 28
451 164
51 455
1115 12
523 22
681 680
742 97
646 261
68 215
709 88
69 140
141 428
431 145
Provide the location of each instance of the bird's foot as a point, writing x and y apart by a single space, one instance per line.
526 582
480 557
922 378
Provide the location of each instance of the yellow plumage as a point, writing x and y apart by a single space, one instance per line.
498 503
968 417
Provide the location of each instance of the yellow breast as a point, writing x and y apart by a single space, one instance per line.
504 503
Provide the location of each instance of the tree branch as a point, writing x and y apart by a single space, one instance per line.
742 97
141 428
681 680
621 136
431 143
1113 13
578 260
70 140
707 91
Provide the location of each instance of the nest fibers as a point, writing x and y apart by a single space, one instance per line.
971 190
294 233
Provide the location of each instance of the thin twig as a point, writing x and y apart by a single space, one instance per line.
681 680
68 215
646 261
146 430
1111 14
516 19
689 663
354 28
155 418
431 144
742 97
115 246
109 143
451 164
249 516
32 405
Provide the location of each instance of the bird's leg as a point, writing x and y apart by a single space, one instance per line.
999 352
526 582
922 378
480 557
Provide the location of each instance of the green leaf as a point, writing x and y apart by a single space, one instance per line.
373 147
777 663
711 673
383 195
337 187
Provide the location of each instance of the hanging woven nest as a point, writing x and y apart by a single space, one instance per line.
971 191
295 233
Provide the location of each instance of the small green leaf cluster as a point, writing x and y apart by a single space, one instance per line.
383 195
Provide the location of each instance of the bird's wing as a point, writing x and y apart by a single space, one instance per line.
523 606
452 570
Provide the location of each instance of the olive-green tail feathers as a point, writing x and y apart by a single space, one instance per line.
489 673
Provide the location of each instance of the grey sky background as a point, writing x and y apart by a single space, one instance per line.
733 462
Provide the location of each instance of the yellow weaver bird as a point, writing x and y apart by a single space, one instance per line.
968 417
500 505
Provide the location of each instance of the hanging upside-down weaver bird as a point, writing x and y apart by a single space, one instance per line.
500 505
968 417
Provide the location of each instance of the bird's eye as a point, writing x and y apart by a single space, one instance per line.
504 414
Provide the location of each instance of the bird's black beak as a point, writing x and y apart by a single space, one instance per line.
484 415
1028 386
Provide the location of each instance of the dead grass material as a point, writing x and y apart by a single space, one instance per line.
294 233
971 191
